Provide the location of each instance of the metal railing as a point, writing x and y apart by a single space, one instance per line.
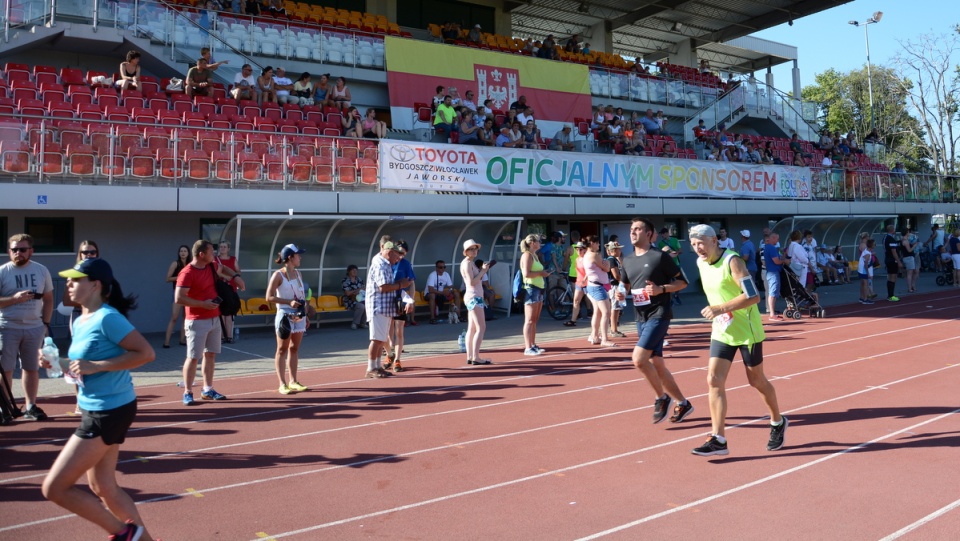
837 184
631 86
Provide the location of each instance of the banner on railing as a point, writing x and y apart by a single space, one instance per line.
460 168
557 91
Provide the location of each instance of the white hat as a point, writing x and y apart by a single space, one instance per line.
470 243
613 244
745 233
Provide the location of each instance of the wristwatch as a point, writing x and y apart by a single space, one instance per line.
663 289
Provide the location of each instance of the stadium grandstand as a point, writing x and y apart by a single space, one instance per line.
165 164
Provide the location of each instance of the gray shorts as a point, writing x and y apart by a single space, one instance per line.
909 263
23 344
203 336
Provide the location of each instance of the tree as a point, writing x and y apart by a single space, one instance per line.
845 106
927 63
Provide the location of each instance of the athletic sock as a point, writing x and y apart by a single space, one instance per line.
890 288
777 424
371 364
720 438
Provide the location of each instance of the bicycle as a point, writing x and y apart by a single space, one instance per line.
560 301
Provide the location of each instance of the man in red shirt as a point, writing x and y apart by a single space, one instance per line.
196 291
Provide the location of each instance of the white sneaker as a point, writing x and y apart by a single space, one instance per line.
666 343
531 352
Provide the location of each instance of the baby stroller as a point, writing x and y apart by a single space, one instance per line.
798 299
946 278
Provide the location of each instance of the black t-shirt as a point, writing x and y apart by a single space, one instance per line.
890 247
614 264
659 268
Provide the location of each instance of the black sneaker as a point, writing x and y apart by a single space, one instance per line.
711 447
680 412
776 435
660 408
34 414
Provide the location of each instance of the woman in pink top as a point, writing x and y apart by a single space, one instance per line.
473 300
598 286
371 127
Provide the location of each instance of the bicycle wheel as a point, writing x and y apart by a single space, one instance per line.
559 305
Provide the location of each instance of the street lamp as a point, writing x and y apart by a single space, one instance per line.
872 20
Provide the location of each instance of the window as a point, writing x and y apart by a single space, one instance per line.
212 229
420 13
50 235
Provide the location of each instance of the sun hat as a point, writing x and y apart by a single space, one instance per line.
470 243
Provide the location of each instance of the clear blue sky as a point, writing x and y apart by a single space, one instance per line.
826 40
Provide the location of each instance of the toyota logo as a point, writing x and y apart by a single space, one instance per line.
401 153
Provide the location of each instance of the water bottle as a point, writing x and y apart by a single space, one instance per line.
623 290
462 342
52 355
236 333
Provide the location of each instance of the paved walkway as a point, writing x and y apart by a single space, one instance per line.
337 344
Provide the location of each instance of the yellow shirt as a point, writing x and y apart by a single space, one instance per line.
536 266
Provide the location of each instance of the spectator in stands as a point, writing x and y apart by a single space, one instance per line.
446 117
636 144
852 143
898 169
130 72
350 123
586 49
842 146
372 128
520 104
516 134
450 32
650 124
321 92
353 294
704 67
597 119
438 97
767 157
340 94
283 86
504 140
562 140
669 150
752 155
661 121
485 134
511 118
440 292
455 98
797 148
714 155
799 160
872 137
468 102
525 116
531 135
474 35
700 132
276 7
198 79
245 85
265 86
303 90
211 64
573 44
469 130
825 268
251 7
826 142
546 48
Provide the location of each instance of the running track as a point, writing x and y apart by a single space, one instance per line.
555 447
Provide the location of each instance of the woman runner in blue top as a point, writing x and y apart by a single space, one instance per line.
105 347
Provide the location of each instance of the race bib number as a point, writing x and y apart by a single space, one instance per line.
723 321
640 297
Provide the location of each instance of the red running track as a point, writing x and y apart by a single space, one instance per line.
553 447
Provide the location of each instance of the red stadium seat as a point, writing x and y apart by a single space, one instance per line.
112 165
346 171
322 169
98 136
51 160
271 111
169 117
107 80
293 112
60 109
52 92
228 106
156 137
45 74
195 119
300 169
127 137
368 172
218 121
143 115
274 169
258 143
80 160
181 103
71 133
204 105
106 96
238 122
169 164
209 141
142 163
79 94
287 125
198 164
24 90
14 71
132 98
222 166
250 166
115 113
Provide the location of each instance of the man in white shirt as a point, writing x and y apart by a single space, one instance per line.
284 85
245 85
440 291
526 115
724 240
469 103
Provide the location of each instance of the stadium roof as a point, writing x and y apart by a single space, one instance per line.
651 30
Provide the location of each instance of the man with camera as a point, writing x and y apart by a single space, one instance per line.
26 306
196 290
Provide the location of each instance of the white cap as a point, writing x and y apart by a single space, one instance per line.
745 233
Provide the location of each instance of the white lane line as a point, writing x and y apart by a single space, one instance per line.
760 481
925 520
479 440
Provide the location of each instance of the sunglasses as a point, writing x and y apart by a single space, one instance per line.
20 250
441 266
88 252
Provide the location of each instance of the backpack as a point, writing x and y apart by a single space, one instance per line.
229 300
519 292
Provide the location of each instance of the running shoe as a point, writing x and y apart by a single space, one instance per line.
34 414
531 351
776 435
711 447
680 411
295 385
480 361
374 374
660 408
893 299
188 399
397 367
285 389
384 373
130 532
212 395
538 348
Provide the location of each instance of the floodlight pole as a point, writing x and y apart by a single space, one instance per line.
866 38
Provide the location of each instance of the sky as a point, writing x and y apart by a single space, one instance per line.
826 40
